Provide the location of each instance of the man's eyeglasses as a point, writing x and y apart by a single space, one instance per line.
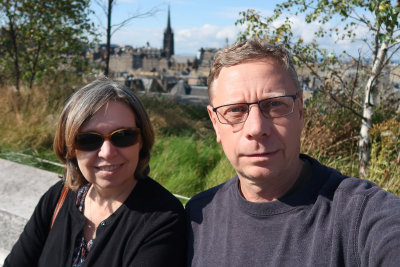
120 138
273 107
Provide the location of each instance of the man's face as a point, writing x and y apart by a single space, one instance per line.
259 148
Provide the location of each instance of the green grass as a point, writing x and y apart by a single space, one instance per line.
186 165
186 159
34 161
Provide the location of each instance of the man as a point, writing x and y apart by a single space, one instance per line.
283 208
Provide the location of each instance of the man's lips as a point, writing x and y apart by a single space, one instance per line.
260 155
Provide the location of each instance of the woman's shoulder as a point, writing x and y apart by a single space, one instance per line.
56 188
53 193
50 197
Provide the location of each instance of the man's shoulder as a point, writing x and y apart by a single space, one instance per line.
339 186
354 187
207 196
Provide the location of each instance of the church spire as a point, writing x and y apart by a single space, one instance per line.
169 21
168 38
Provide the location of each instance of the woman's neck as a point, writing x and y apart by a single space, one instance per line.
102 195
100 203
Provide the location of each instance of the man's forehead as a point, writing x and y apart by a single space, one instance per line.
267 90
259 63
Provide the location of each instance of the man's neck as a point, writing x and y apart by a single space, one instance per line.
270 188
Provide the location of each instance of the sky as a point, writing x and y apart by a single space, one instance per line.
198 23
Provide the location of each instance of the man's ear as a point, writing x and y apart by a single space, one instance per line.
214 120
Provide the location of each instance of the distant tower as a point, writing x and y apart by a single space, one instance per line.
168 39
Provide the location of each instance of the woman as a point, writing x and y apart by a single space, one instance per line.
113 214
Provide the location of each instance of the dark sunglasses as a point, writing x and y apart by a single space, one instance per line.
119 138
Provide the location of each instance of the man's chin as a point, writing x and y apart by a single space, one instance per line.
256 173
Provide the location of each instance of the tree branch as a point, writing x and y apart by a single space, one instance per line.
126 21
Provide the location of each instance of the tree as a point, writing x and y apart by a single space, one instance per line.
8 38
379 17
41 37
112 28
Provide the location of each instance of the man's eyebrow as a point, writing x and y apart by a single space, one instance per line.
274 93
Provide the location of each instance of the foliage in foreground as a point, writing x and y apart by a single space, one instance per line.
385 155
186 158
351 20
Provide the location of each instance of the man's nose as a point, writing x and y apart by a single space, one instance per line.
256 124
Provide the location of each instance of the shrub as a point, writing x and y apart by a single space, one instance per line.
330 134
170 117
385 155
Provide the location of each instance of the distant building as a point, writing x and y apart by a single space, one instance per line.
205 58
131 64
168 48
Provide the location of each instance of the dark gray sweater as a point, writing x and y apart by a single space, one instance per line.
329 220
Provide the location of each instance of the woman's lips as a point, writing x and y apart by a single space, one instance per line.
108 168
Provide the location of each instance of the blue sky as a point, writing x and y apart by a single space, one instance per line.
195 24
205 23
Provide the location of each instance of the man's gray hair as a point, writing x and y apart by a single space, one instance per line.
254 49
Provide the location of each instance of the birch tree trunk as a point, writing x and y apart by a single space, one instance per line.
371 92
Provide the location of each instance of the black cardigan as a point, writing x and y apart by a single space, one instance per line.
149 229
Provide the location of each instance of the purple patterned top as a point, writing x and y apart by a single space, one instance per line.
82 247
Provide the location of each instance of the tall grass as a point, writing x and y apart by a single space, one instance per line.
185 165
29 117
186 157
385 155
25 125
330 135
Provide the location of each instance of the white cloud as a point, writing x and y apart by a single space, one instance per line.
187 40
190 40
306 31
138 37
207 36
232 13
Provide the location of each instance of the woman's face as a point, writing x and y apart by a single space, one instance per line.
109 167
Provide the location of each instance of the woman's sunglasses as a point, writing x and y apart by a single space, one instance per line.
119 138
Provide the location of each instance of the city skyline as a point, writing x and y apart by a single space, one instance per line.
195 24
204 24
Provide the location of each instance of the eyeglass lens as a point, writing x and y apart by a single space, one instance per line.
119 138
271 108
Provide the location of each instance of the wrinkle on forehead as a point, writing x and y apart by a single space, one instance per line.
240 84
